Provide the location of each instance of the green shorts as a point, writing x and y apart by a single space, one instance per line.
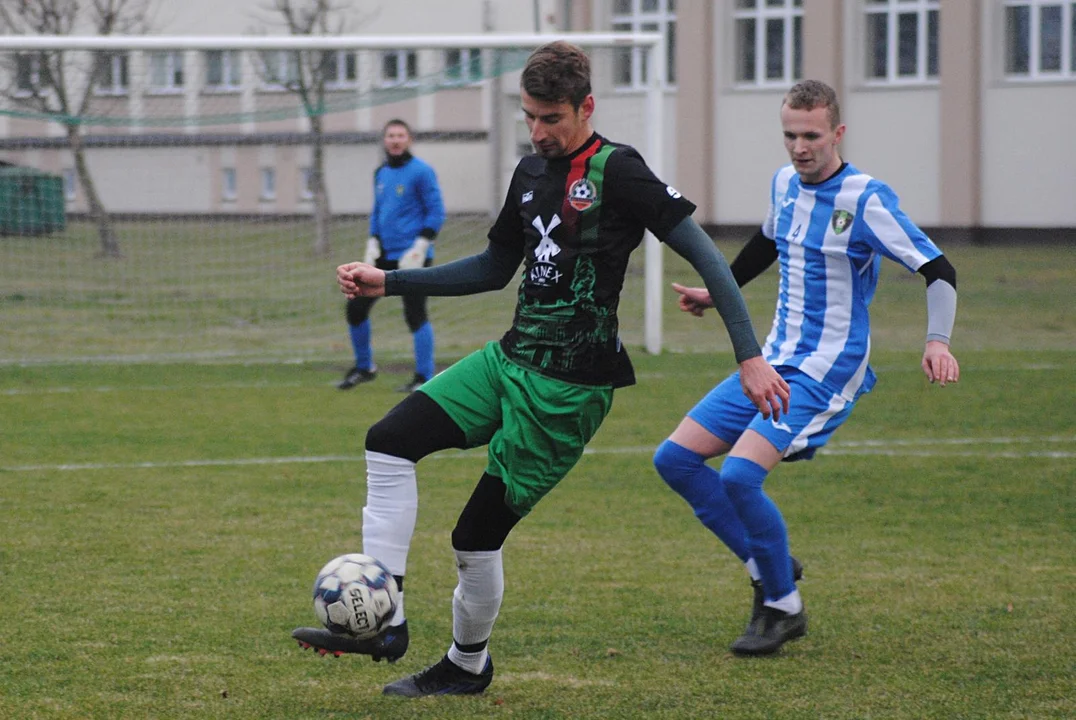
536 427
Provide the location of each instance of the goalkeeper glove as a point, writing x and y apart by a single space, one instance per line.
373 251
415 257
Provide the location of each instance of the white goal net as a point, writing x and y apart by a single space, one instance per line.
160 197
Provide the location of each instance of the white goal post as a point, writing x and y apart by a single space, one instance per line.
22 64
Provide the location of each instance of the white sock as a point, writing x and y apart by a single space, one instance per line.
791 603
476 603
398 617
471 662
388 520
752 569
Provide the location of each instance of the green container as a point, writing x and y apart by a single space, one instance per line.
31 202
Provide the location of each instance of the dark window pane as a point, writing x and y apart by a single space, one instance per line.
622 59
775 49
412 65
797 48
745 50
622 7
1018 40
1050 38
907 45
670 60
650 6
877 27
1072 39
745 4
932 43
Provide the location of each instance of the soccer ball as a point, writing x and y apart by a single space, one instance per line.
355 595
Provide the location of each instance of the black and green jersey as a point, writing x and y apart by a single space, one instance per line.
576 220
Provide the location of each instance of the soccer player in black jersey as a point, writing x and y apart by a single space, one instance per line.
574 212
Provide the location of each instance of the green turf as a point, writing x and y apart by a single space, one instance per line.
149 572
162 523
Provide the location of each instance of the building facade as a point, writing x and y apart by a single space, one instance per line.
963 106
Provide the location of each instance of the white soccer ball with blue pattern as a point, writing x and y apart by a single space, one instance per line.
355 595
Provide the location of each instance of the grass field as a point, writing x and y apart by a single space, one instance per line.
163 523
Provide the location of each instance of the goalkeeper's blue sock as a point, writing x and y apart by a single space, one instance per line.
423 338
687 473
766 531
360 343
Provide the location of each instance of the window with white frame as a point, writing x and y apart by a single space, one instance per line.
268 183
306 183
27 74
229 186
340 68
70 184
643 16
768 42
462 65
223 70
901 40
166 72
1040 39
112 74
398 66
280 69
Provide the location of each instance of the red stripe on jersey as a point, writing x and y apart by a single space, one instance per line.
577 171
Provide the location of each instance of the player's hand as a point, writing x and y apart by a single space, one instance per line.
764 387
415 257
693 300
373 251
939 364
360 280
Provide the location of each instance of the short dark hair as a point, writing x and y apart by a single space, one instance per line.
398 122
557 72
811 94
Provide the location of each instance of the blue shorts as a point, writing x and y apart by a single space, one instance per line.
814 413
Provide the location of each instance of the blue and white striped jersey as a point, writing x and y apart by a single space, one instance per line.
830 240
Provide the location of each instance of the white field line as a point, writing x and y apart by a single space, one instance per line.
896 448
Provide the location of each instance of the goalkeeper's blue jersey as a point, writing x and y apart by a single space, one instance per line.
830 239
407 203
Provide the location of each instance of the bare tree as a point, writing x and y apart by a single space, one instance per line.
308 74
60 83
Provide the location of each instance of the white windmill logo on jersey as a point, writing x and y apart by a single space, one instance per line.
546 247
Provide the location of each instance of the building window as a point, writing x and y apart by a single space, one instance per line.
643 16
112 74
306 183
166 72
223 69
901 40
28 80
462 65
768 42
340 68
70 184
268 183
229 188
280 69
398 67
1040 39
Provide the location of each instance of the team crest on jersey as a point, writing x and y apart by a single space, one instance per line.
399 190
582 194
841 221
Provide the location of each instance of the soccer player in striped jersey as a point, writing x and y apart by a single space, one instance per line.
574 212
829 225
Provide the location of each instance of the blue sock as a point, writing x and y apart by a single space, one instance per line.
423 338
766 531
360 343
687 473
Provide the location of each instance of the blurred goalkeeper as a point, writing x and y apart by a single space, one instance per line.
574 212
407 215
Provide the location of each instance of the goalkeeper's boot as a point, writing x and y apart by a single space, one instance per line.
760 595
389 645
773 629
356 376
443 678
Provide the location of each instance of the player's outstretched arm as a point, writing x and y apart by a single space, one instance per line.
358 279
491 269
